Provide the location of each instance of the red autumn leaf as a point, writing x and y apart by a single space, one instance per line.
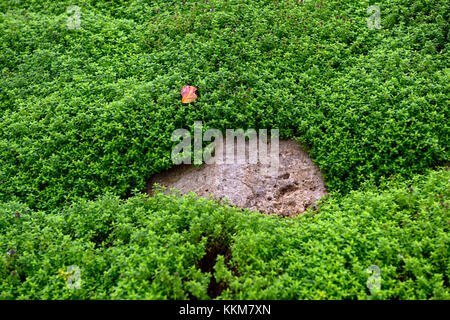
188 94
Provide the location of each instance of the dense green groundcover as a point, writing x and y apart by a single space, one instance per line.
167 247
89 112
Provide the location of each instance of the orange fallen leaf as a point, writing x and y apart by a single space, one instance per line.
188 94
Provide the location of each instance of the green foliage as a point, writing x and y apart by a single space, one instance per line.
156 248
88 111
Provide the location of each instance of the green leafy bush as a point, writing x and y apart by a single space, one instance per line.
88 111
171 247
